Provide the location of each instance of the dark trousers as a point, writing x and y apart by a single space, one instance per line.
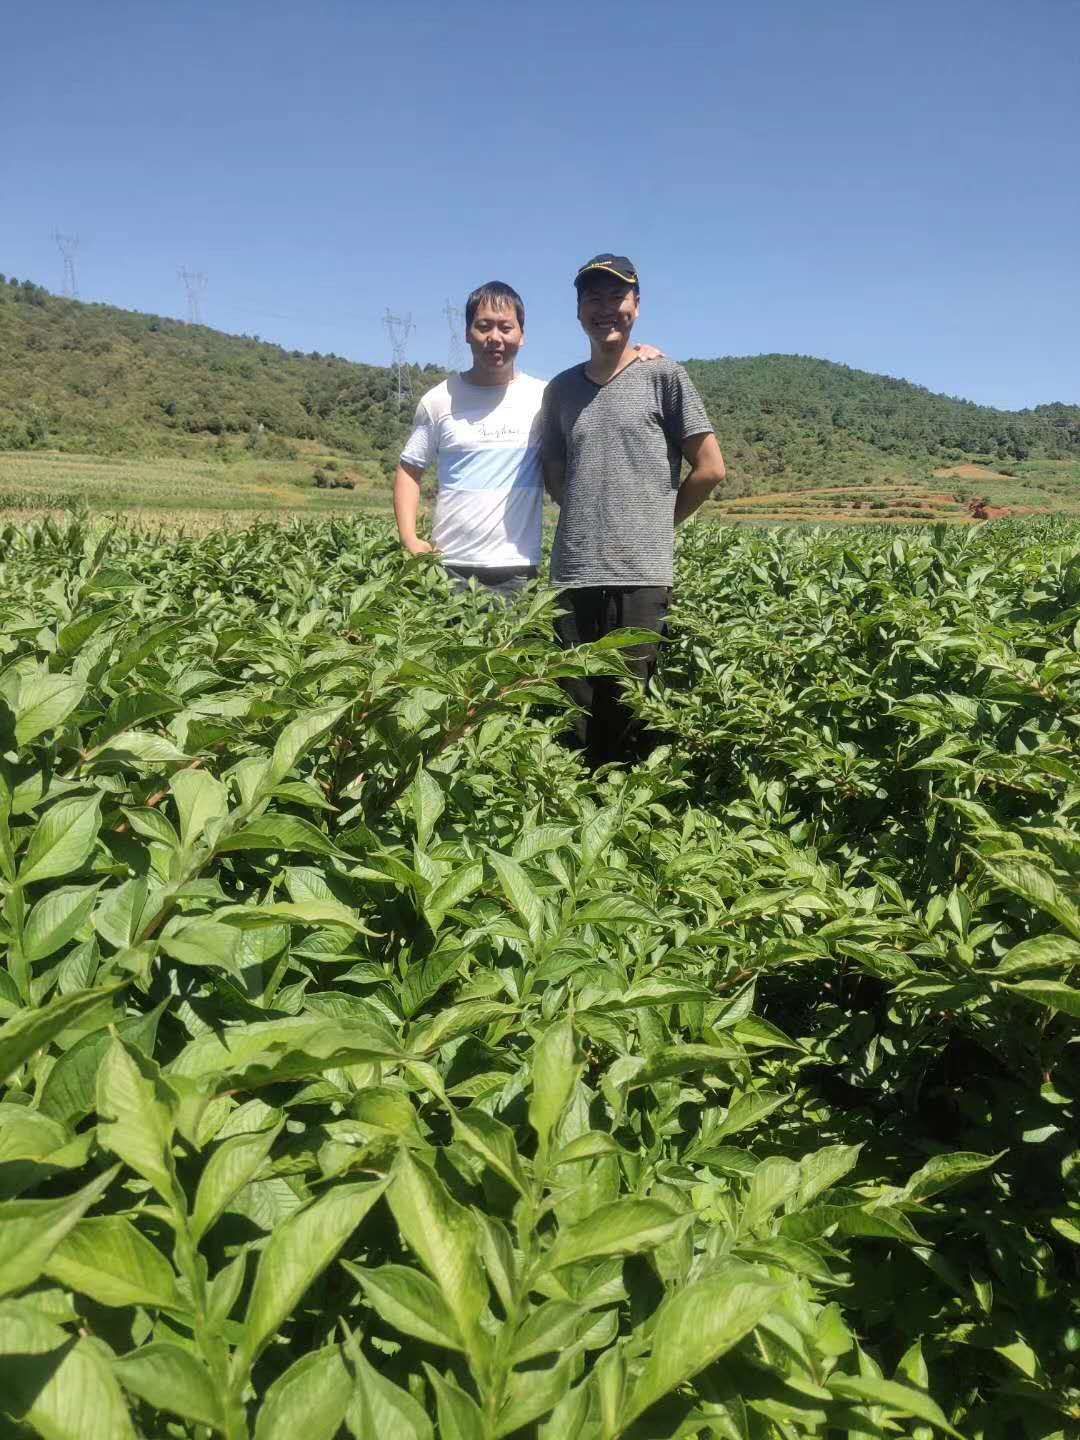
503 582
609 730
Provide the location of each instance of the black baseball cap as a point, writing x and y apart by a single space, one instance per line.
621 266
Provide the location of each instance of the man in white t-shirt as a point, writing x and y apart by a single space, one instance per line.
482 430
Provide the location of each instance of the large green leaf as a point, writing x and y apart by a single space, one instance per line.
891 1395
520 893
62 1386
1036 887
230 1167
62 841
45 701
278 832
29 1030
554 1075
443 1235
200 798
107 1259
774 1181
452 891
379 1407
696 1327
1050 993
409 1301
309 1400
296 740
137 1117
301 912
494 1143
69 1091
297 1252
204 942
31 1230
624 1227
944 1171
426 803
56 919
172 1380
459 1415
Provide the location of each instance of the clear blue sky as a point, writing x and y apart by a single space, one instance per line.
893 186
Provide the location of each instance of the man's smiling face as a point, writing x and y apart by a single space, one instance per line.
607 308
495 337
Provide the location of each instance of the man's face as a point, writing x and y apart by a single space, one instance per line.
607 308
494 337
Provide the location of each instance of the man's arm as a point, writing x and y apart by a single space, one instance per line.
406 503
706 472
552 447
555 478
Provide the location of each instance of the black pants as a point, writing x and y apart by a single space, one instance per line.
609 730
504 582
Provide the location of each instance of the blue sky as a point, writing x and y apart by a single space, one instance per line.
891 186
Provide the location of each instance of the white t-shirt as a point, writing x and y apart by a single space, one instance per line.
486 439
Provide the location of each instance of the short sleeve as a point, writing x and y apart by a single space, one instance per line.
422 445
552 439
684 409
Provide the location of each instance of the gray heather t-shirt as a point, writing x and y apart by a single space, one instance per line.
620 443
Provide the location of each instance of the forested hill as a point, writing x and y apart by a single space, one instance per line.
85 377
792 414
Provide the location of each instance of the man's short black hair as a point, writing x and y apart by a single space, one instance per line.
498 295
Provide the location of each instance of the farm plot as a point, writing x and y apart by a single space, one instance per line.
370 1069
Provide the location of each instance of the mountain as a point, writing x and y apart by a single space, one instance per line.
782 418
92 378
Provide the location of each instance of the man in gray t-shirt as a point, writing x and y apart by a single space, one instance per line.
614 434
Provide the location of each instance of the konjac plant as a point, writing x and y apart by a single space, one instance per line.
369 1068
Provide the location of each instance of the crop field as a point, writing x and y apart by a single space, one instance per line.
220 485
369 1068
951 494
227 485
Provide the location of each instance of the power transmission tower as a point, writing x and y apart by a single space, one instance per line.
399 328
455 319
67 245
195 285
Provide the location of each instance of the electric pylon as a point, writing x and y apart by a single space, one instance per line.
455 319
195 285
399 328
67 245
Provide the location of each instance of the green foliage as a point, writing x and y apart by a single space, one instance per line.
370 1067
95 379
792 417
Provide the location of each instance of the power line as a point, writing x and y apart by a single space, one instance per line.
195 285
68 245
455 319
399 328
